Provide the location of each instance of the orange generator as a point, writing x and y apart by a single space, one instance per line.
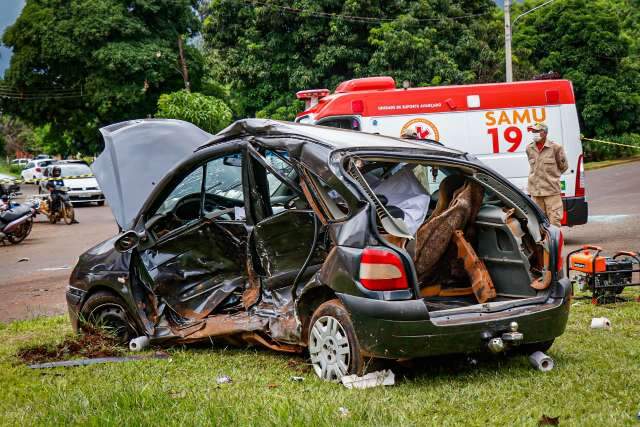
606 277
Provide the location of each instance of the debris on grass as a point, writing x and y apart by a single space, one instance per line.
343 412
297 379
600 323
541 361
273 385
224 379
373 379
548 421
93 343
298 365
139 343
97 360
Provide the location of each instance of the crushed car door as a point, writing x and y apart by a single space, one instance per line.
285 225
196 259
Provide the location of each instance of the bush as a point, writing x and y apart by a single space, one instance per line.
15 169
208 113
599 151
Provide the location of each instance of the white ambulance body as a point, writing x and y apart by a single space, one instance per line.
487 120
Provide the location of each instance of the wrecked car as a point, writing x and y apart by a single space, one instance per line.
299 238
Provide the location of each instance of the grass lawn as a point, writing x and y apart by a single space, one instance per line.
596 382
4 169
606 163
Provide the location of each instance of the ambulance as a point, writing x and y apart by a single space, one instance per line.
487 120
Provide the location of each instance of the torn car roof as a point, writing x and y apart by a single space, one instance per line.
333 138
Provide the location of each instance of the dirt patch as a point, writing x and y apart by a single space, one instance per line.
299 365
91 344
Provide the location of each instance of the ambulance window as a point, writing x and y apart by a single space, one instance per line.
342 123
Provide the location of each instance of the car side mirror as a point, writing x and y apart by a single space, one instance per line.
127 241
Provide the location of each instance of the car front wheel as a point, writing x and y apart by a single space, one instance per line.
107 311
333 346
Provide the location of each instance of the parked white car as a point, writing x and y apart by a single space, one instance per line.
79 190
35 168
21 162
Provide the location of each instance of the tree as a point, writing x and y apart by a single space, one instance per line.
206 112
268 51
82 64
584 41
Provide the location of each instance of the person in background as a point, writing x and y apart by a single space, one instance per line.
547 163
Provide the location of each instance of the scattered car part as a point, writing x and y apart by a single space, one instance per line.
98 360
600 323
541 361
372 379
139 343
224 379
605 277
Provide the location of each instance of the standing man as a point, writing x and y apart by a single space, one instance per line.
547 162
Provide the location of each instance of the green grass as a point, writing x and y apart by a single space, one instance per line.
595 383
5 168
607 163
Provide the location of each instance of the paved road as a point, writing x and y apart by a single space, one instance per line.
36 287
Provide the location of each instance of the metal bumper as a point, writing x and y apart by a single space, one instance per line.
403 329
85 196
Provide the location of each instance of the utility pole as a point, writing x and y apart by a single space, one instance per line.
507 40
183 63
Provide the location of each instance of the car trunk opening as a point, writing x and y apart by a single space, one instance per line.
475 243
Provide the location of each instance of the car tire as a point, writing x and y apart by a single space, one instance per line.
108 311
100 203
333 346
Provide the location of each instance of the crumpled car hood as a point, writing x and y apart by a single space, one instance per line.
136 155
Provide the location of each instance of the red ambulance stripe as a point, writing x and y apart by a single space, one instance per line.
439 99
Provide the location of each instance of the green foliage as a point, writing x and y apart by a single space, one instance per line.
265 55
15 169
119 56
598 151
585 42
206 112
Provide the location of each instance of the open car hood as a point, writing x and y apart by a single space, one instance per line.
137 154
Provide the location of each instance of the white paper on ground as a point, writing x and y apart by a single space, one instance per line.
372 379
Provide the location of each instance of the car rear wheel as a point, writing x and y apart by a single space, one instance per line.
107 311
333 346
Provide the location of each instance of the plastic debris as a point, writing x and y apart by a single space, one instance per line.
548 421
139 343
600 323
224 379
297 378
343 412
372 379
23 260
541 361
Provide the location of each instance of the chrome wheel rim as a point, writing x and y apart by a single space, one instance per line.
329 349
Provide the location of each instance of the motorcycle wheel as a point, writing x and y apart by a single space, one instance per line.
21 232
68 214
53 218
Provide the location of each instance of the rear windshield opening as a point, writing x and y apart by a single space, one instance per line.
468 245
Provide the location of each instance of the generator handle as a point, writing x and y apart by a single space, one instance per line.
595 248
629 254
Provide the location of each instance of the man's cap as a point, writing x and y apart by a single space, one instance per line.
538 127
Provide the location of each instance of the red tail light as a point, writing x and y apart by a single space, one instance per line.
38 169
580 177
382 270
559 259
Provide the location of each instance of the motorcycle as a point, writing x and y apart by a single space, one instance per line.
65 208
16 221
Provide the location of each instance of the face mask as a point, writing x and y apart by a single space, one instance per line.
537 137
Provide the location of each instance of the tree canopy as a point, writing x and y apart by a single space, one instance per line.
266 51
206 112
81 64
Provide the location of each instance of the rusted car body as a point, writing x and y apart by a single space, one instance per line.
271 233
